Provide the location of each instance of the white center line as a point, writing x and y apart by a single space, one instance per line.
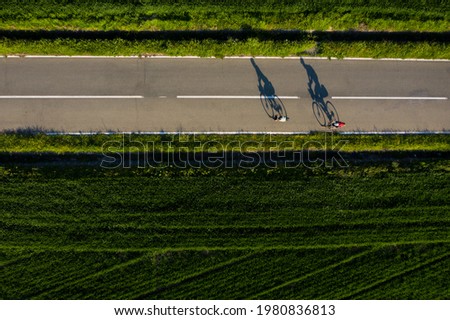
391 98
71 97
238 97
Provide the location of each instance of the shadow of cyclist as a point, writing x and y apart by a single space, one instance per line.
324 111
272 105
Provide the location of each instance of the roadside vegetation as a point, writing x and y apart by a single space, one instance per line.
31 142
220 49
157 15
411 15
375 229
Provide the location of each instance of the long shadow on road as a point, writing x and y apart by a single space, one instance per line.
271 103
324 111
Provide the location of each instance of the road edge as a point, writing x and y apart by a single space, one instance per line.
224 58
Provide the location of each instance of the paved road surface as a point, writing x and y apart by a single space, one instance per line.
163 94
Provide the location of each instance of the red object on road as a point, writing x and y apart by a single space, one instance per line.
337 124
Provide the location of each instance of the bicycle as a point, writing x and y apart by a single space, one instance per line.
325 114
273 106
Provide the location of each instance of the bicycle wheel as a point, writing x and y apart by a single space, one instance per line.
278 107
319 113
331 111
267 105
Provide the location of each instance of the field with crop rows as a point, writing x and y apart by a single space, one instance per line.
379 231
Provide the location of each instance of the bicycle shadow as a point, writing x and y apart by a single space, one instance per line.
324 111
271 103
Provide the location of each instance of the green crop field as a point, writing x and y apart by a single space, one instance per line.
366 231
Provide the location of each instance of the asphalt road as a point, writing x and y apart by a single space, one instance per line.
229 95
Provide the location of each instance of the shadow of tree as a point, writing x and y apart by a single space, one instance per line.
324 111
271 103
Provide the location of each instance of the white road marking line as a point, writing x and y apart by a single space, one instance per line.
71 97
390 98
238 97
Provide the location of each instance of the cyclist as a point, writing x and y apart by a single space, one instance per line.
280 118
336 124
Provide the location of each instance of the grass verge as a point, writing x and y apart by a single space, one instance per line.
42 143
206 48
219 49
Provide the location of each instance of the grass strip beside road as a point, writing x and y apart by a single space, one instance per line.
42 143
220 49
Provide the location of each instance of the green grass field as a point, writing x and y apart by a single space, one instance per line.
156 15
400 15
378 231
